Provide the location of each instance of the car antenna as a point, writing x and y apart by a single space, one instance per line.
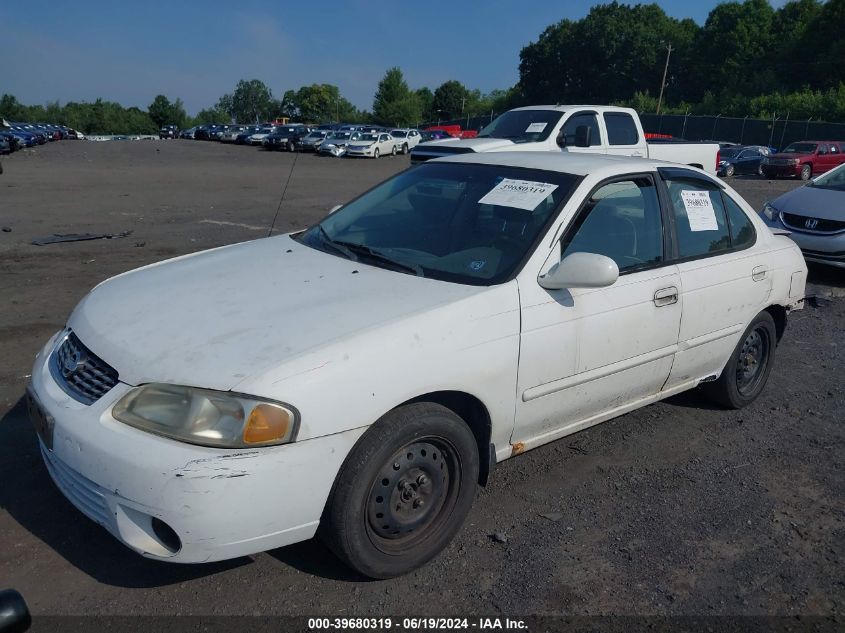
284 191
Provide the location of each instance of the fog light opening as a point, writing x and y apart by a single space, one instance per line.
166 535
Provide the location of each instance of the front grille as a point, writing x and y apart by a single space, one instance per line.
79 372
81 492
812 225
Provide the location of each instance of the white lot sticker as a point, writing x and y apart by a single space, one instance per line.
700 211
520 194
536 127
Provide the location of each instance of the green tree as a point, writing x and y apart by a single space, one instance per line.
251 101
394 103
450 100
160 110
425 97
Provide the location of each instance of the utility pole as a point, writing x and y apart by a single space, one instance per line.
663 83
463 102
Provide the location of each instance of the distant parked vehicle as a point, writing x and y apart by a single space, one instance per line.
14 142
231 135
248 131
815 216
372 145
5 148
286 137
406 139
335 145
169 131
741 160
805 159
258 137
189 133
312 140
433 135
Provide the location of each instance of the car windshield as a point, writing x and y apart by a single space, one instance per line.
317 135
523 126
265 130
471 224
834 179
368 137
800 148
398 133
340 136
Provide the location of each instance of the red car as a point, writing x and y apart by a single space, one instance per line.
804 159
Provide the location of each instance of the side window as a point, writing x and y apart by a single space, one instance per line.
699 218
834 149
742 230
822 150
585 118
621 129
622 221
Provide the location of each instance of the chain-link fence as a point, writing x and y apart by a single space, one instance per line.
774 132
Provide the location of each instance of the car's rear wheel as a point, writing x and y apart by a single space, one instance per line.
806 172
748 368
403 491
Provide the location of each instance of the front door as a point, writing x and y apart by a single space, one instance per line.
586 352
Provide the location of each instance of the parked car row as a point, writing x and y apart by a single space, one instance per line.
333 139
803 159
15 136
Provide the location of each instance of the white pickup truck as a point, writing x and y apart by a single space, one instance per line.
572 128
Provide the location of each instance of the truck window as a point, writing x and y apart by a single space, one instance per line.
575 121
621 129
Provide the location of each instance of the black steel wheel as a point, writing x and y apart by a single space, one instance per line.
403 491
747 371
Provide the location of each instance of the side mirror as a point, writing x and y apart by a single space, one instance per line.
561 139
581 270
14 614
583 135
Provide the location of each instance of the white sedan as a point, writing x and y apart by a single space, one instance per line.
372 145
365 375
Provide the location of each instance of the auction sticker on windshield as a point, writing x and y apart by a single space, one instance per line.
536 127
520 194
700 212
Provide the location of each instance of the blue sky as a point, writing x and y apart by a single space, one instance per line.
197 51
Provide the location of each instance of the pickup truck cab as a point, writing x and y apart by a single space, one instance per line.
588 129
804 159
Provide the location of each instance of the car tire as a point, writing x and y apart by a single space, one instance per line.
748 368
403 491
806 172
729 171
405 149
376 153
760 170
393 151
291 147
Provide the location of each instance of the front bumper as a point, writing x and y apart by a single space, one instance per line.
820 248
781 171
220 503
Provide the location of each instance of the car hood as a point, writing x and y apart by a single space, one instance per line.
475 144
215 318
814 202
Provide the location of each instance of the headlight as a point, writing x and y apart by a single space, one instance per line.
207 418
769 211
723 162
794 161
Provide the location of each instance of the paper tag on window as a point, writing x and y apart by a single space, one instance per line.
700 212
536 127
520 194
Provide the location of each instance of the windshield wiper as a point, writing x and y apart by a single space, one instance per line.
360 249
340 247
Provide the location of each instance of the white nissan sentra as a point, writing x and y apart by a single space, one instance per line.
360 378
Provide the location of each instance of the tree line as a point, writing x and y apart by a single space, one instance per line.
748 59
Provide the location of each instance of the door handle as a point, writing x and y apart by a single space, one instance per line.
666 296
758 273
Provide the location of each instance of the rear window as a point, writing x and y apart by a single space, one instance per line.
621 129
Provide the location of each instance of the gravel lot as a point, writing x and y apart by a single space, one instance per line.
678 508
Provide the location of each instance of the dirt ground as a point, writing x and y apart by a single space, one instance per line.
678 508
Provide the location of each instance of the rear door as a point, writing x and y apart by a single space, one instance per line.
724 273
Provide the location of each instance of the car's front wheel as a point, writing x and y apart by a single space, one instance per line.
376 153
748 368
403 491
405 149
806 172
729 171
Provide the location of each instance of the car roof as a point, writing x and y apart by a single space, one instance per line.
565 107
575 163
